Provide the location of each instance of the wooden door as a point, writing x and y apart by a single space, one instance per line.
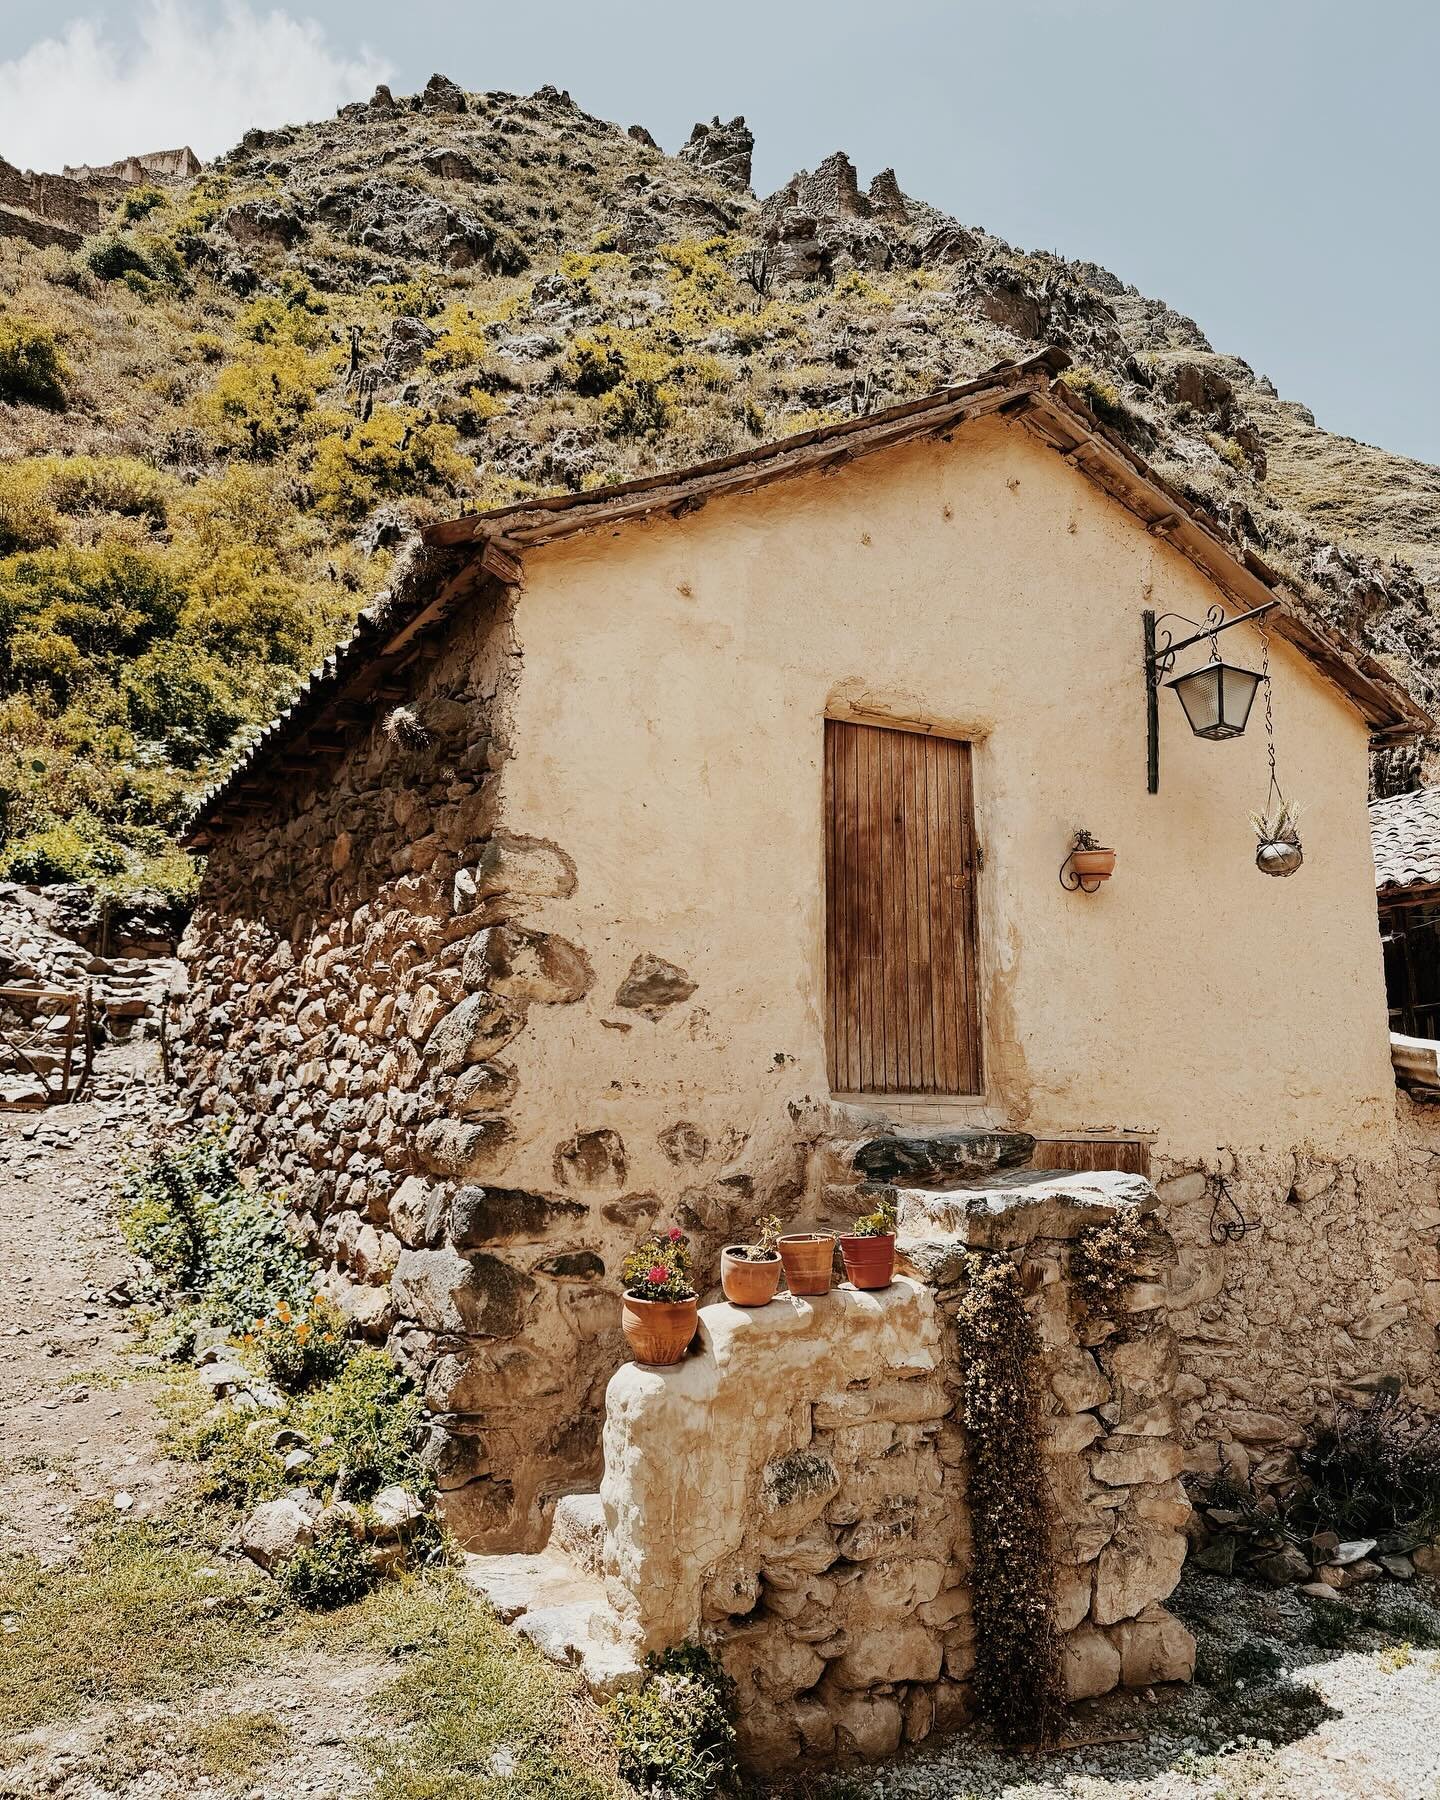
900 862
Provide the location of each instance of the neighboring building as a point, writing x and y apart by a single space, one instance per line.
649 846
1405 834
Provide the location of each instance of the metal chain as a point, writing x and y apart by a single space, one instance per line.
1269 709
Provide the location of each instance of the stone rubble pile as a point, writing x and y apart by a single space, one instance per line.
1233 1533
49 939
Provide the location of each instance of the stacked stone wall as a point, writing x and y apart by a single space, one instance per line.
374 965
795 1495
1301 1278
55 199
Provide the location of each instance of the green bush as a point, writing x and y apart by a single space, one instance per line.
331 1572
376 1420
182 697
32 370
367 1422
73 849
69 608
1369 1470
392 454
301 1350
675 1735
203 1233
112 258
140 202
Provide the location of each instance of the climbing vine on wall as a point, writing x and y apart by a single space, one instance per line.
1105 1260
1017 1680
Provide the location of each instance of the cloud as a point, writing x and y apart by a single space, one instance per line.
187 77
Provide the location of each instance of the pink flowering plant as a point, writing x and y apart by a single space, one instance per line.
658 1268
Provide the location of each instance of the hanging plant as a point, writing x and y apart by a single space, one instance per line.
1278 850
1277 825
1019 1687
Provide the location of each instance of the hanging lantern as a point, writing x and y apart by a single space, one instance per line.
1217 698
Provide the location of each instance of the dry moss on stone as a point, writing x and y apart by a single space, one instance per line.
1106 1260
1018 1687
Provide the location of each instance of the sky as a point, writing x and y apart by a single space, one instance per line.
1269 167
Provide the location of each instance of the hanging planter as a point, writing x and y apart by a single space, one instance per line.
1278 849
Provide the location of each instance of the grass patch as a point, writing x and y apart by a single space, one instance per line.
235 1745
129 1621
477 1712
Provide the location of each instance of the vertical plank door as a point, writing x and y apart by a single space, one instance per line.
902 995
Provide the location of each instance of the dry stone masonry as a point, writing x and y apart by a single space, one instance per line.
794 1494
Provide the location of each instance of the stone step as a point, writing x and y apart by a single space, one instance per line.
577 1531
560 1608
940 1158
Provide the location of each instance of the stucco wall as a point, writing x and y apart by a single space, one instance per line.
669 735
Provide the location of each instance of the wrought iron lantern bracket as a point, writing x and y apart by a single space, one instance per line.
1161 649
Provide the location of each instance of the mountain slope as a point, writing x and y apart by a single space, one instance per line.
222 412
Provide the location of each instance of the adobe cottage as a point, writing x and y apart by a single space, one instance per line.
650 849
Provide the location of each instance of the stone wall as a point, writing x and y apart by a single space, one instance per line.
1301 1278
794 1494
370 993
53 198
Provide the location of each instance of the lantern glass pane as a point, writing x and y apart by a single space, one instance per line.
1199 694
1237 696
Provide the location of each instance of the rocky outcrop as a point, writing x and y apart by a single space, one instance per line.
723 151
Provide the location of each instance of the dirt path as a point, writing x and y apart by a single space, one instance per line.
72 1435
80 1442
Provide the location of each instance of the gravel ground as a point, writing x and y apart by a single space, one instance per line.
1295 1699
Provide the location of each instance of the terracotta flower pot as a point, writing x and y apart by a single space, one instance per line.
748 1281
658 1331
869 1261
1093 865
808 1257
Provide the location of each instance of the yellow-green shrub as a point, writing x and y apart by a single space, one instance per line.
393 453
293 316
28 520
68 608
107 484
32 370
261 405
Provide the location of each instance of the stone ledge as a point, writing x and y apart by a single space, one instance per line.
1008 1213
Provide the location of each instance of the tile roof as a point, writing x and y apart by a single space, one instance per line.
459 554
1405 834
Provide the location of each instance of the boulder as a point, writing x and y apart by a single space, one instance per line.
914 1158
1139 1565
1090 1664
723 151
442 95
464 1148
1154 1647
276 1530
395 1512
527 965
473 1031
490 1215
